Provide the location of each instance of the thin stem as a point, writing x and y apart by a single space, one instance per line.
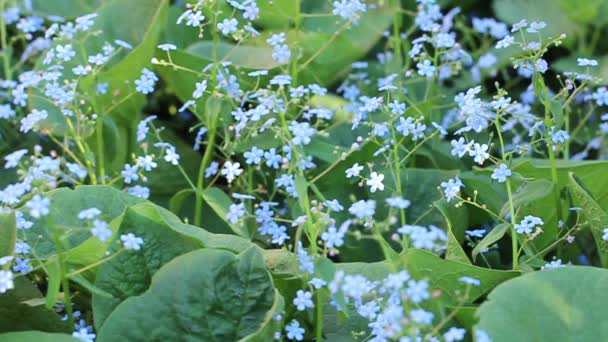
514 250
198 212
65 282
319 316
198 209
100 149
6 63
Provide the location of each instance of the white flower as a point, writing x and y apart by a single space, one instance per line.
421 316
231 170
130 241
227 26
469 280
454 334
139 191
451 188
362 209
6 281
30 121
100 230
235 212
200 89
12 159
354 170
527 225
146 162
84 335
129 173
505 42
398 202
294 331
39 206
334 237
460 147
303 300
375 182
501 173
553 265
417 291
586 62
479 153
88 214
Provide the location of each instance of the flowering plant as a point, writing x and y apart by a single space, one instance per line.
348 170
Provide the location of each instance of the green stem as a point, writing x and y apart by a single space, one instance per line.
6 63
514 249
319 316
65 282
198 209
198 212
100 148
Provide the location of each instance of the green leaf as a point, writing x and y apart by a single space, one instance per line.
452 216
444 274
208 295
494 235
177 200
23 309
65 8
53 272
558 21
276 14
569 63
165 237
115 20
302 190
590 172
550 305
220 203
537 198
593 214
37 336
65 206
250 57
330 46
580 11
8 233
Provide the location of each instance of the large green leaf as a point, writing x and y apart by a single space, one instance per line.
115 20
250 57
23 309
207 295
551 305
65 206
592 214
330 46
569 63
165 237
589 172
8 233
129 274
65 8
537 198
493 236
558 21
455 220
37 336
445 274
276 13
